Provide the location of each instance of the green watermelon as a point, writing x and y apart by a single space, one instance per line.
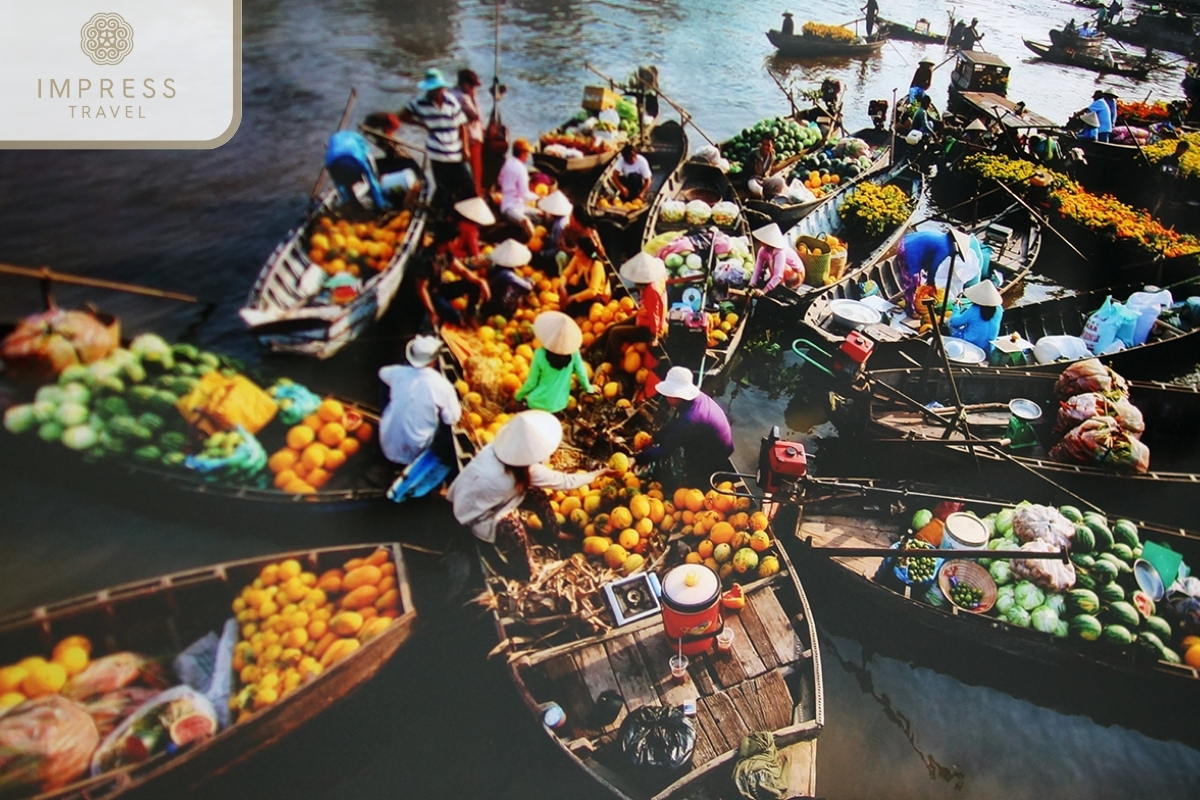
1086 627
1104 571
1160 626
1083 601
1117 634
1168 655
1082 560
174 459
1116 561
1084 580
1099 527
1111 593
172 440
1071 512
1152 638
1126 532
1084 540
1122 613
1123 552
147 453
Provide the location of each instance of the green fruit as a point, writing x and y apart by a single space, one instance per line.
1116 561
1168 655
1072 513
1117 634
1082 560
1086 627
1151 638
744 560
722 552
1104 571
50 431
1084 580
1126 532
175 459
149 420
1099 526
1083 601
147 453
1159 626
921 519
1122 613
1123 552
1084 540
1111 593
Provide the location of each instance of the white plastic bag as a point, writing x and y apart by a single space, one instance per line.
1052 348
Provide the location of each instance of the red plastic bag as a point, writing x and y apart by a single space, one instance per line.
56 339
1100 441
1090 376
46 743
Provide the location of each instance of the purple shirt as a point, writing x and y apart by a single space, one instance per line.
779 259
701 426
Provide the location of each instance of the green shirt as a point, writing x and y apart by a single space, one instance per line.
549 389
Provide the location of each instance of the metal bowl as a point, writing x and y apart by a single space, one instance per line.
1025 409
961 351
852 313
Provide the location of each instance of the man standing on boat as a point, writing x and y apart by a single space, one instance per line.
445 122
788 28
422 406
871 12
515 194
923 78
1103 113
970 36
698 436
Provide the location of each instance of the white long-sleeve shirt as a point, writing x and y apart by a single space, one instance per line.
514 184
420 398
485 491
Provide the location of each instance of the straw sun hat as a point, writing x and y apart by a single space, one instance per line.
528 438
679 383
511 253
557 332
962 241
555 204
476 210
644 268
771 236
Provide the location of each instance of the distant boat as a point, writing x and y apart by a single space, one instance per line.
815 46
1097 61
918 33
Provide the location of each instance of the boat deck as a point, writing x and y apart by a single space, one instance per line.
834 531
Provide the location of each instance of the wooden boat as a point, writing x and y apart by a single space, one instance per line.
689 346
1076 40
872 606
911 438
827 221
1163 31
918 33
1097 61
802 46
1015 241
665 150
283 310
787 215
165 615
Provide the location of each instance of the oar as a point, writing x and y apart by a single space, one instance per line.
1138 144
312 198
389 138
898 53
790 97
687 118
1045 222
49 275
1062 554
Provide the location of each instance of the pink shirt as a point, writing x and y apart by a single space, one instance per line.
780 259
514 184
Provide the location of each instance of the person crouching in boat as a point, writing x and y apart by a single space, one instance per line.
422 406
649 277
917 255
632 175
555 363
775 256
698 436
515 194
506 286
348 161
557 211
506 478
470 216
584 280
758 166
979 323
400 175
438 296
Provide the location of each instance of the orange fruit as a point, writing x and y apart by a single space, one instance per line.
284 478
721 533
679 499
694 500
330 410
364 432
73 659
282 459
72 641
705 548
759 521
43 679
331 434
300 437
349 446
628 538
299 487
334 459
314 455
318 478
1192 656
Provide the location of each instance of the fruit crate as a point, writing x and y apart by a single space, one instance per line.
598 98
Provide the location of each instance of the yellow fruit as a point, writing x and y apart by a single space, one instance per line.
461 387
769 565
43 679
759 541
73 659
657 510
1191 656
620 518
615 556
289 568
331 434
11 678
639 506
644 527
265 697
339 650
347 623
759 521
282 459
361 597
373 628
740 539
300 437
725 570
633 562
10 699
693 558
596 545
693 500
366 575
722 533
628 538
313 456
591 503
578 518
331 410
642 440
632 361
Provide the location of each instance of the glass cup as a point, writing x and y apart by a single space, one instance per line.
679 665
725 639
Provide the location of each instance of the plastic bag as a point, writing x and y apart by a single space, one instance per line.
295 401
758 773
730 273
1035 523
46 743
1053 348
110 673
165 722
672 211
218 403
697 212
657 736
1127 322
57 338
1090 376
108 710
1101 441
1082 407
207 666
1047 573
1102 326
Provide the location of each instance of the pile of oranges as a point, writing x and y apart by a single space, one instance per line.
819 184
36 677
340 246
296 624
317 446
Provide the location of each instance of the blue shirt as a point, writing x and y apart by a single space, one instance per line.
1104 113
970 326
924 250
349 149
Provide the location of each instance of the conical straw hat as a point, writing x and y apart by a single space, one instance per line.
771 236
476 209
557 332
556 204
528 438
984 293
511 253
644 268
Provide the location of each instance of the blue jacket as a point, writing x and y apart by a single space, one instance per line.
350 150
970 326
1104 113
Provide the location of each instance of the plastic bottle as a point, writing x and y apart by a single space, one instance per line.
1148 303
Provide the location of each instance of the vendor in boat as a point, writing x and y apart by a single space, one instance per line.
979 323
515 195
775 255
443 118
399 172
421 408
923 78
1045 148
698 435
555 363
1091 126
632 176
922 118
348 161
470 215
556 209
956 34
1114 12
438 296
1110 100
871 15
918 256
788 28
758 166
649 277
584 280
466 93
970 36
1103 114
506 477
506 287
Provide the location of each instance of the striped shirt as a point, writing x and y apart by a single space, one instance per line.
444 125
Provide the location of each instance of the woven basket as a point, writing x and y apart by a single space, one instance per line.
816 261
972 574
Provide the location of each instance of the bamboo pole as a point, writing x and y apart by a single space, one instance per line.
316 190
46 274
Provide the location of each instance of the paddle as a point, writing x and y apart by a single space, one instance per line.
683 114
312 198
50 276
1044 222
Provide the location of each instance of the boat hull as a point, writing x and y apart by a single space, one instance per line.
811 46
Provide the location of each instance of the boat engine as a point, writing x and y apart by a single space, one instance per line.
780 464
850 359
877 110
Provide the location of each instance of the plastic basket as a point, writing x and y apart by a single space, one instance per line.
816 261
973 575
598 98
837 265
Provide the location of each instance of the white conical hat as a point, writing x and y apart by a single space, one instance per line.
976 125
771 236
962 241
528 438
557 332
511 253
644 268
476 209
556 204
1091 119
984 293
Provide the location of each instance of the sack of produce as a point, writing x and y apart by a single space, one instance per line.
697 212
1083 407
218 403
45 744
657 736
295 401
758 773
54 340
672 211
1035 523
725 214
1059 348
178 716
110 673
1102 442
1050 574
108 710
1090 376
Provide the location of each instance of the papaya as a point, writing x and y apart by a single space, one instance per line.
388 599
339 650
347 623
361 597
366 575
379 557
373 628
330 581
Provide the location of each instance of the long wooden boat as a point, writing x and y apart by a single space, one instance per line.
1165 31
1097 61
665 149
815 47
281 311
1074 40
564 167
689 347
908 33
911 437
787 215
1073 675
162 616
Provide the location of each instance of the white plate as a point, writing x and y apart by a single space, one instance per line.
852 313
963 352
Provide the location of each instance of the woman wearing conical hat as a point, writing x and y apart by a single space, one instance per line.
979 324
648 275
555 363
774 258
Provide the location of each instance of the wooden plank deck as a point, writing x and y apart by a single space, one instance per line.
848 532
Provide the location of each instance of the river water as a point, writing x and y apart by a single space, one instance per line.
440 721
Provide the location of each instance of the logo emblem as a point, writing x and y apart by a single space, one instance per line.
106 39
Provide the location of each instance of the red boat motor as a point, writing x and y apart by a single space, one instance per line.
780 463
850 359
877 110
